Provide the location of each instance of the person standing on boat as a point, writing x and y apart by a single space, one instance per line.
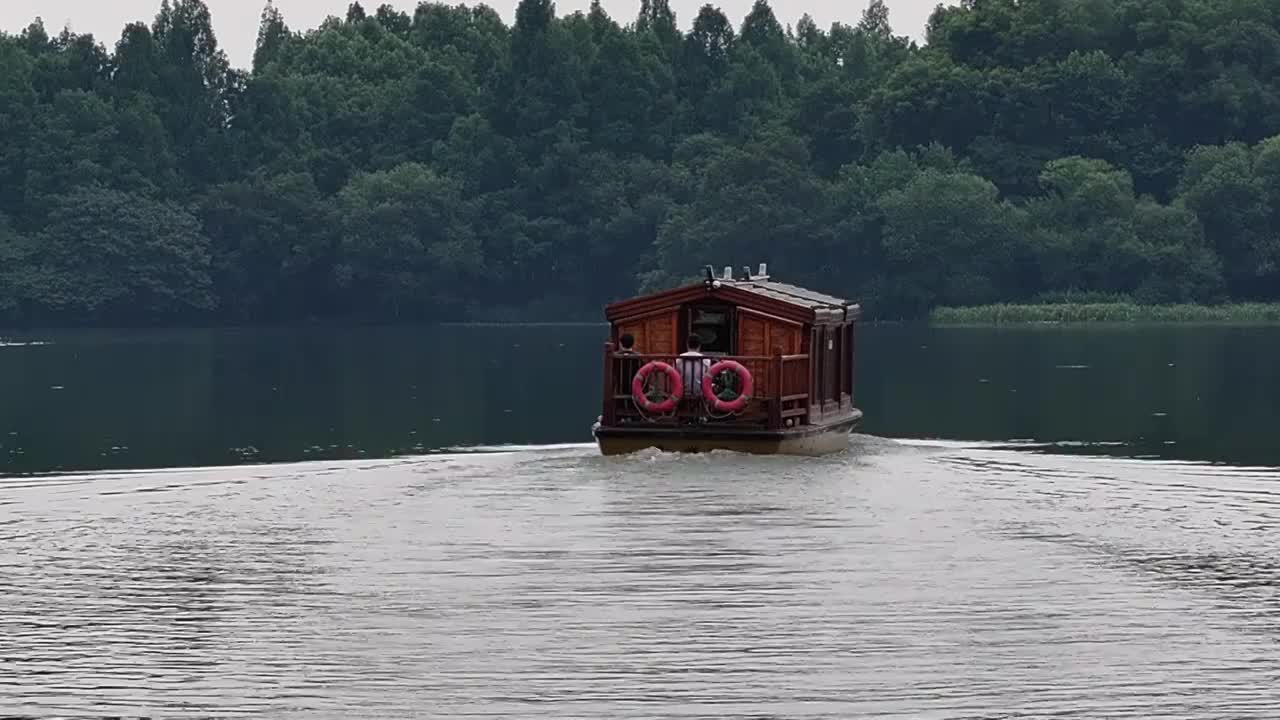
692 366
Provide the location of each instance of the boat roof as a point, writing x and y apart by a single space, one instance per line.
759 293
793 294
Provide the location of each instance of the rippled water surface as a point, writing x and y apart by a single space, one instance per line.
903 579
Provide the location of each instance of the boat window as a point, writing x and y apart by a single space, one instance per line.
714 326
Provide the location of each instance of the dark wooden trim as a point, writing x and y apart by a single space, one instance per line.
625 310
775 408
824 370
772 318
853 363
815 353
841 363
645 316
607 416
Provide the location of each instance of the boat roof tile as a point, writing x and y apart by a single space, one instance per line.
788 293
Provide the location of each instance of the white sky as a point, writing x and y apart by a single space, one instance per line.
236 21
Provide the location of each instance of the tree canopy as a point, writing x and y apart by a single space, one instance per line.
439 164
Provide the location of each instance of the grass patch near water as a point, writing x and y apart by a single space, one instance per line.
1118 312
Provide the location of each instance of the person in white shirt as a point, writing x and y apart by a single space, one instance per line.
692 366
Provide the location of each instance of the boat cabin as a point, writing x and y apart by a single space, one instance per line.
790 348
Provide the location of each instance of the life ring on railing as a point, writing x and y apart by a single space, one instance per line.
747 386
637 387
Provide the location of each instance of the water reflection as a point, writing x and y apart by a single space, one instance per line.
155 399
1184 392
194 398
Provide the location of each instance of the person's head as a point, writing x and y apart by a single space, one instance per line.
694 342
626 341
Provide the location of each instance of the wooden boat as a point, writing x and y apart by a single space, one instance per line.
777 377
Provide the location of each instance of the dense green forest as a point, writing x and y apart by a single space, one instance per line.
443 165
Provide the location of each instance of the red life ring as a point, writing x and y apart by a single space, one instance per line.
744 377
637 387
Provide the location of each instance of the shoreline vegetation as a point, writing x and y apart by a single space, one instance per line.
1104 312
431 162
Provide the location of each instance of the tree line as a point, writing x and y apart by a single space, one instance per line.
442 165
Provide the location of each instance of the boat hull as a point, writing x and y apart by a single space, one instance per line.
811 440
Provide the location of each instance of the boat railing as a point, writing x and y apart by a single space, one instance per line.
780 397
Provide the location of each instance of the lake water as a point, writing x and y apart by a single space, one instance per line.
1037 522
89 401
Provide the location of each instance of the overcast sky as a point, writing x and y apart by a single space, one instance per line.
236 21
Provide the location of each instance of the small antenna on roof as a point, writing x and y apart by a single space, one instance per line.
710 280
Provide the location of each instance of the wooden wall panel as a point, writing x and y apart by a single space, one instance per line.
660 332
753 335
784 336
763 336
655 334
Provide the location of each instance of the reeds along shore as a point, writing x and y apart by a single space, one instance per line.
1104 312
